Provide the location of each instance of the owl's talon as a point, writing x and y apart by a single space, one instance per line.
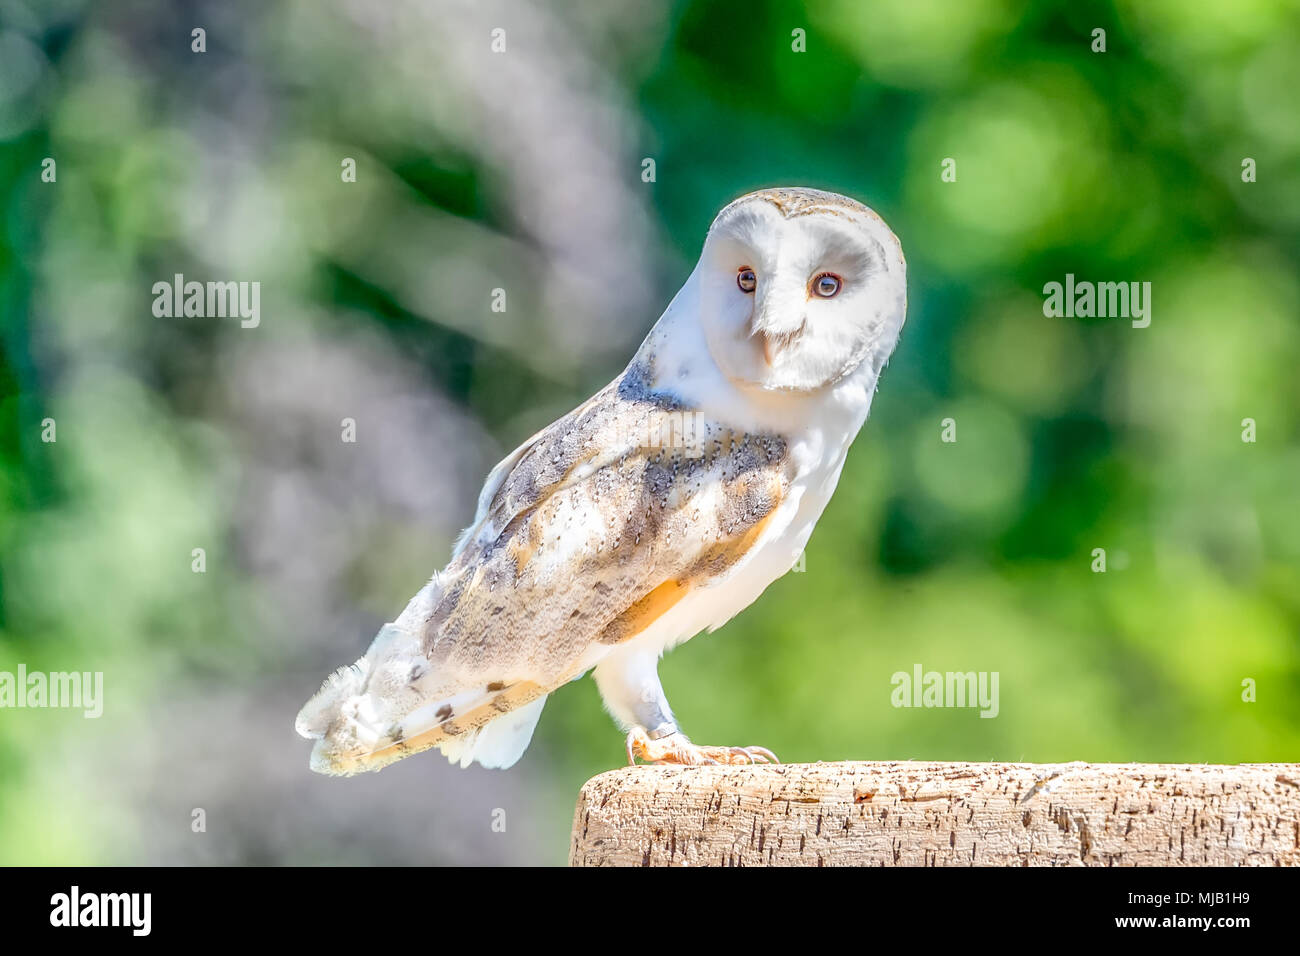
741 752
676 748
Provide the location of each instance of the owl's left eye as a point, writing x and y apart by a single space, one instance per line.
827 285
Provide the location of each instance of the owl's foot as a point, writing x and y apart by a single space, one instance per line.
675 748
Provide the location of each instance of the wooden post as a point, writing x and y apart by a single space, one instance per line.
940 814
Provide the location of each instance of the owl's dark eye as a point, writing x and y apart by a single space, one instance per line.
826 285
746 279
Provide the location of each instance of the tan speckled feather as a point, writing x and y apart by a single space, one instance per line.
601 523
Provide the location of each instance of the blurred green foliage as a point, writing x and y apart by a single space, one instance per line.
524 172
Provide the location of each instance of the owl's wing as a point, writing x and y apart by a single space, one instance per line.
585 535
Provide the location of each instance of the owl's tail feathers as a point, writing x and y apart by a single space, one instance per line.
358 729
322 710
392 703
499 743
355 712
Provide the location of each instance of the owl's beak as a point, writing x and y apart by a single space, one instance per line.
774 334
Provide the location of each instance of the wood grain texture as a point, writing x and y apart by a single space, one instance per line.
940 814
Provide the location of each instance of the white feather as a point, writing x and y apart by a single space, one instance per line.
500 743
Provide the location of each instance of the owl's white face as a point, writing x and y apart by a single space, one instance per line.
798 288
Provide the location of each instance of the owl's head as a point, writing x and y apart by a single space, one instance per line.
798 288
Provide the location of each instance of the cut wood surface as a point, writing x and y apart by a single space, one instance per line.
940 814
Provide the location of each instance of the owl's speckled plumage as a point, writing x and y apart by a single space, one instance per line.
660 507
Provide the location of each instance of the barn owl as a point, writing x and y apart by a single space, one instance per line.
660 508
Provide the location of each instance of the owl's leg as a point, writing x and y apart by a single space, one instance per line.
629 683
628 679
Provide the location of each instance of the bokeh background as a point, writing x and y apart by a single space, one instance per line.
522 170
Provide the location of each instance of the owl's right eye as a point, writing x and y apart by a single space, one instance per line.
746 279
